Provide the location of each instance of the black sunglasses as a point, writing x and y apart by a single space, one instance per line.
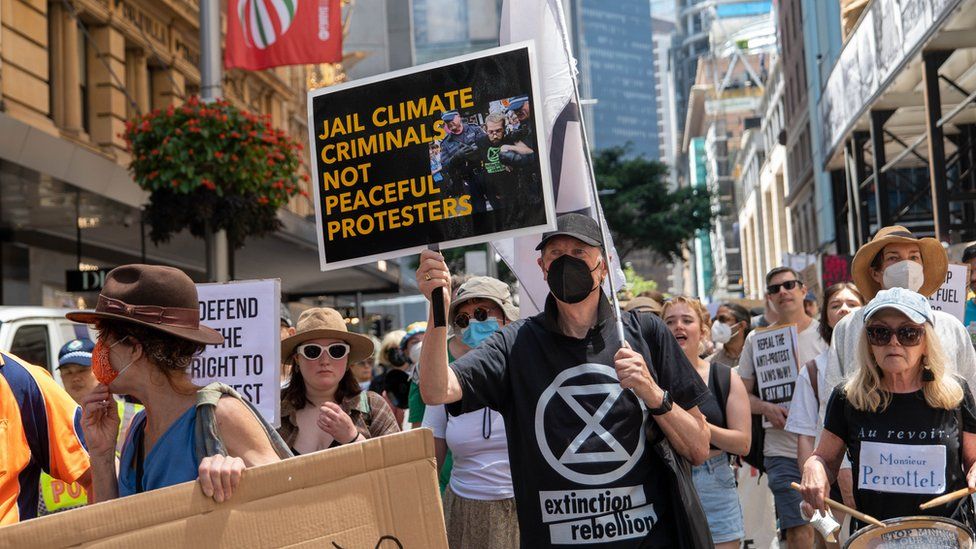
908 336
312 351
773 289
462 319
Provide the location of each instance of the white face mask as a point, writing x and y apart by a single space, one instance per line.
905 274
721 333
415 354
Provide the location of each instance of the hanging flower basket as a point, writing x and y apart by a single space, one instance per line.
211 167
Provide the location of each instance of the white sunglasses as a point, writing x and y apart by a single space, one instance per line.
312 351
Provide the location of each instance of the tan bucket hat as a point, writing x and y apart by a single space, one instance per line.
935 261
648 304
326 323
485 287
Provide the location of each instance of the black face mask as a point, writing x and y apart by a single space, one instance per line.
396 357
569 279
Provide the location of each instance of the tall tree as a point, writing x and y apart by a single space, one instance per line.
640 209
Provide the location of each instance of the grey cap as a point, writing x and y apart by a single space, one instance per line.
907 302
579 226
485 287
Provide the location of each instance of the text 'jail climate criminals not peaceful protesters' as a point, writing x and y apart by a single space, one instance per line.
534 371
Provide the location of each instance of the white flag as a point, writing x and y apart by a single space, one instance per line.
543 22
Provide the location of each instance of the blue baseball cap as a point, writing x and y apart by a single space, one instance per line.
517 102
412 329
911 304
448 116
76 351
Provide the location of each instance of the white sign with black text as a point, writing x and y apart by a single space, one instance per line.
247 314
775 360
951 297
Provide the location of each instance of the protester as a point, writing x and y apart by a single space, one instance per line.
506 183
393 383
730 330
901 406
323 406
729 422
37 434
895 258
810 305
811 391
479 502
410 345
147 317
785 293
969 258
364 370
538 372
74 365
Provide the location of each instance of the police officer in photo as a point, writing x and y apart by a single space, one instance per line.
459 159
599 435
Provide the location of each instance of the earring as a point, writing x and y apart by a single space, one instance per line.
927 374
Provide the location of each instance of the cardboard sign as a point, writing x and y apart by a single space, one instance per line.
951 297
379 493
447 153
775 360
247 314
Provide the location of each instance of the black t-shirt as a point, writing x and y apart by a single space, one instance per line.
579 445
905 455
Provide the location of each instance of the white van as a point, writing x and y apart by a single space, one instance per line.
36 334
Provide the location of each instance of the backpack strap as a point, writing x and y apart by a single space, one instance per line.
811 367
206 438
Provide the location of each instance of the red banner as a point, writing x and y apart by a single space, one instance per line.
271 33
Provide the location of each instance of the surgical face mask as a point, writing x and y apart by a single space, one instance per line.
478 331
102 365
721 333
415 354
906 274
570 279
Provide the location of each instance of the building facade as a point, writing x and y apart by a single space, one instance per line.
71 74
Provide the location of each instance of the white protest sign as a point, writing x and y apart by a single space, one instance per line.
902 468
247 313
951 297
775 362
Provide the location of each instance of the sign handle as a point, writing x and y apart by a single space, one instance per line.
437 299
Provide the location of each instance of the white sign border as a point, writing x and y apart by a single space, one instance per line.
543 153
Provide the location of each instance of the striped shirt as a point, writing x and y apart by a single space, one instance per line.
40 430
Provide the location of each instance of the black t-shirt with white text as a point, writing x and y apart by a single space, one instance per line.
579 445
905 455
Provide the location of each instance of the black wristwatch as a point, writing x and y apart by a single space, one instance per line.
665 406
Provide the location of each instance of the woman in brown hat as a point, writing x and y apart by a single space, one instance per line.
148 325
323 406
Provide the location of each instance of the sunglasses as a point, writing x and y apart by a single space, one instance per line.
908 336
312 351
773 289
725 319
463 319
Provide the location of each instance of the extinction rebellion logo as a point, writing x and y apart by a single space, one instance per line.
584 428
264 21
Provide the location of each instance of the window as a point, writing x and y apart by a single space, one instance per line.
31 345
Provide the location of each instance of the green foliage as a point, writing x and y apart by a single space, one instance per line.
641 211
210 167
636 284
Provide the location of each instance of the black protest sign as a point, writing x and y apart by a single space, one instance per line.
247 313
449 153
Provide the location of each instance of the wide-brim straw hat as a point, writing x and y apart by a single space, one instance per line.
153 296
485 287
935 260
326 323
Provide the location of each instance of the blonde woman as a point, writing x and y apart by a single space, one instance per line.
909 427
729 421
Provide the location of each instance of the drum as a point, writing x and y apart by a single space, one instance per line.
906 532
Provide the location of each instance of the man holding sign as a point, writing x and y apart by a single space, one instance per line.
771 358
581 412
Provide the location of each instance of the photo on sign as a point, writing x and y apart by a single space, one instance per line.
447 153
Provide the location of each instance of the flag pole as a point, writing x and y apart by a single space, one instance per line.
211 89
604 230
